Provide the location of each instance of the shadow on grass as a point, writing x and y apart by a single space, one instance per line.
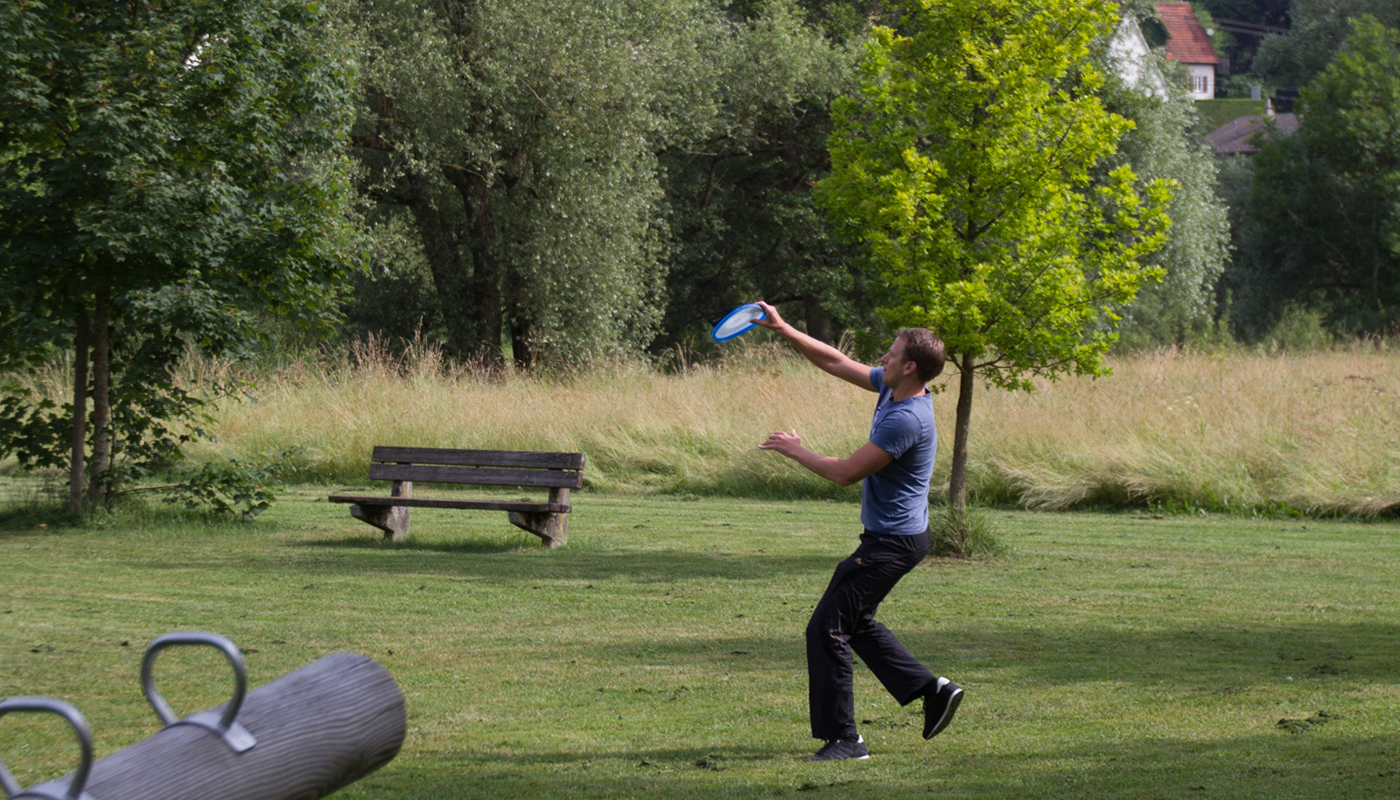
23 518
1205 664
1217 661
377 544
648 566
1274 765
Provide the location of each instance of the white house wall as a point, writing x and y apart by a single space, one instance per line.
1202 81
1129 54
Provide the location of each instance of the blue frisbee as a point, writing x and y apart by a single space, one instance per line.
738 321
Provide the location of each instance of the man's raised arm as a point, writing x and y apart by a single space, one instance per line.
828 358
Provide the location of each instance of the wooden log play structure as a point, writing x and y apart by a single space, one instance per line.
300 737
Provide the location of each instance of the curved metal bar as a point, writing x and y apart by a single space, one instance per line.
80 727
226 726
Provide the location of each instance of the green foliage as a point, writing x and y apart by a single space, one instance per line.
1164 144
964 533
1299 330
1319 30
173 167
1241 49
1219 38
965 164
1214 114
744 223
1325 205
520 138
237 486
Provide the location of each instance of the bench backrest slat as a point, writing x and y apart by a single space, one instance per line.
571 479
479 458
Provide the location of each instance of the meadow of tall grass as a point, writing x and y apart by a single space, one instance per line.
1236 431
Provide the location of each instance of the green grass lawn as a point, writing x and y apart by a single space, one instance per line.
660 653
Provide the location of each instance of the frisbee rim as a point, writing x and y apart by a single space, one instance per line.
714 332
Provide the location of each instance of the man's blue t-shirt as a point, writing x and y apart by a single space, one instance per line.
895 499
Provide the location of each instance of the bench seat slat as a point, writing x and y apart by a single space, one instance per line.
478 458
430 502
479 476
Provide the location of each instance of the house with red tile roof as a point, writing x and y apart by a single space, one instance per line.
1188 43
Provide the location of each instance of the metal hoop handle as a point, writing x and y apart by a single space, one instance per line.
226 726
80 727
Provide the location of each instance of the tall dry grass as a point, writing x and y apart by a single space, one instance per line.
1238 431
1230 431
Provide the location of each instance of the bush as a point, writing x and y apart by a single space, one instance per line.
1299 330
964 533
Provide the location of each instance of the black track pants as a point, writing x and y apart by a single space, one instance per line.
844 620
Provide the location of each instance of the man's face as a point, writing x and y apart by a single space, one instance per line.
894 360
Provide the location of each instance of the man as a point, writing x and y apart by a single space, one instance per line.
895 465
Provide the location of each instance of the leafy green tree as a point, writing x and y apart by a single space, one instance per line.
966 164
520 138
744 222
1325 204
1241 48
1319 29
165 169
1164 144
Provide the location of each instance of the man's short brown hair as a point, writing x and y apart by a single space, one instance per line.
926 351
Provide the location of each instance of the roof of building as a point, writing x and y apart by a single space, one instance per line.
1187 41
1241 136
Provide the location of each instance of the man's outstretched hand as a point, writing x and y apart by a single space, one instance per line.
786 442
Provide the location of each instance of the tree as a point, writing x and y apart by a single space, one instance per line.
744 223
165 169
1325 204
1241 48
1317 34
965 164
519 137
1163 144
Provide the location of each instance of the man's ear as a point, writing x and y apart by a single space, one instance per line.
910 368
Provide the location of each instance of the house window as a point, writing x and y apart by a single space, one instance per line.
1200 83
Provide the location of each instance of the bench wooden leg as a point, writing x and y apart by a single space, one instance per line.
393 520
550 526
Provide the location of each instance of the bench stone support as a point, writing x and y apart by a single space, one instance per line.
551 527
393 520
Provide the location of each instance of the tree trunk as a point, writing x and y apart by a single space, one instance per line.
101 395
486 271
78 440
818 323
445 263
957 482
520 343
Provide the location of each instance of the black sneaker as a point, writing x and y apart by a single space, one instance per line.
841 749
939 706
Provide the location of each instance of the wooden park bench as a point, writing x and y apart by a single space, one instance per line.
559 472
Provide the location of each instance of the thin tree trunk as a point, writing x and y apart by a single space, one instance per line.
449 271
520 344
486 270
957 482
79 437
101 395
818 323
